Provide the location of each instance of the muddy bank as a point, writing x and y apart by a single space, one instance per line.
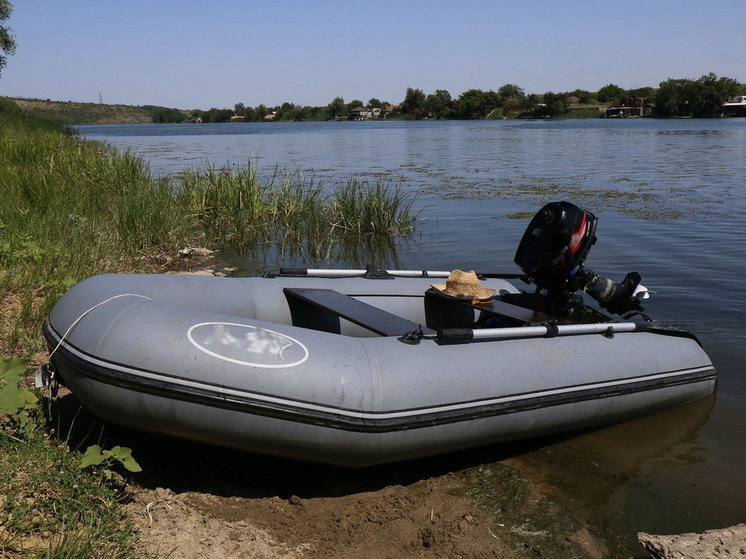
421 520
195 501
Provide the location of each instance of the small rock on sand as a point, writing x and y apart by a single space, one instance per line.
713 544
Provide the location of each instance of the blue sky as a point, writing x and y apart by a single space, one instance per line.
188 54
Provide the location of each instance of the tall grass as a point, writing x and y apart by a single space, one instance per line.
70 209
229 207
364 210
74 208
300 221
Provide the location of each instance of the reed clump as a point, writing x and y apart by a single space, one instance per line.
364 210
227 206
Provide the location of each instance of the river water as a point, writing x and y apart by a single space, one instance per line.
671 199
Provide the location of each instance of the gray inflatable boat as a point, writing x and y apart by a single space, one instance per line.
356 367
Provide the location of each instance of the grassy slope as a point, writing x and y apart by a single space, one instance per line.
84 113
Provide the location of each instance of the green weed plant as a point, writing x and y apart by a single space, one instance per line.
16 404
109 459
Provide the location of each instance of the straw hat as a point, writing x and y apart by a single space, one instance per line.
464 285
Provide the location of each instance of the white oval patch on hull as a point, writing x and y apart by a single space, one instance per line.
247 345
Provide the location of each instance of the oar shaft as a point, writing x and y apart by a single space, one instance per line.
331 273
340 273
535 331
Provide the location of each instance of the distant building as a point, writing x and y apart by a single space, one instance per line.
630 107
359 113
736 106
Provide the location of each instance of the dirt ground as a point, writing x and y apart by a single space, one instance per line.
194 500
428 519
420 520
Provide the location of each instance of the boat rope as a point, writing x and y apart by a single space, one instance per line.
94 307
46 376
629 314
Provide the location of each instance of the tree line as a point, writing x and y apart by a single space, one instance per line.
702 97
7 41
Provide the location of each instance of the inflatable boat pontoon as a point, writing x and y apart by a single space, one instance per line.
362 367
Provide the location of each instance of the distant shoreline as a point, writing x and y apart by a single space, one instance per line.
72 112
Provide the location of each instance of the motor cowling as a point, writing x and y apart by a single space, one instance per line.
552 252
555 244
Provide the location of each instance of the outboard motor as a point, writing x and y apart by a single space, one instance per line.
551 254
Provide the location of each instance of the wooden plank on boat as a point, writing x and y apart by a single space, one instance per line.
372 318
